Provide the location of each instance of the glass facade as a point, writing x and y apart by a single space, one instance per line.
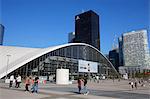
120 42
114 58
66 57
71 37
87 29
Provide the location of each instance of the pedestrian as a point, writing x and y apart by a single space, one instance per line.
142 83
135 84
35 85
27 83
11 81
97 78
132 84
79 85
18 81
139 82
86 92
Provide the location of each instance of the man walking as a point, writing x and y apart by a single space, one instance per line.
135 84
86 92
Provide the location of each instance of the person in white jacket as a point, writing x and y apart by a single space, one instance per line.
18 81
11 80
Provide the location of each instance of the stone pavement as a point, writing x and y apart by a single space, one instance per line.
104 90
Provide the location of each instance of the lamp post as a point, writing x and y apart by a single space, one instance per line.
7 64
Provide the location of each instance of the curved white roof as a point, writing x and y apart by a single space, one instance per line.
19 56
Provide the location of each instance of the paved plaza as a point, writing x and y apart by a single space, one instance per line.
106 89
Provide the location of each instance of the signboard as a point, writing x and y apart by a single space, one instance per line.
87 66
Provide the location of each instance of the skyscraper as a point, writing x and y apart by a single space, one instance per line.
114 58
120 42
71 37
135 48
1 34
87 29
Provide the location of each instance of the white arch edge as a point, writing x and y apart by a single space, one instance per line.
49 49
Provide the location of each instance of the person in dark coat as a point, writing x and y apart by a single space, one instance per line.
135 84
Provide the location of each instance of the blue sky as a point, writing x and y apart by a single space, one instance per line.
44 23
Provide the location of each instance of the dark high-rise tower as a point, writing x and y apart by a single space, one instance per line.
114 58
120 42
1 34
87 29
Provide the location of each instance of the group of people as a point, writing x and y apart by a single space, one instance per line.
33 82
84 81
133 84
28 81
17 81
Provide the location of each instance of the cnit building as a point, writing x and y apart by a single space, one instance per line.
80 58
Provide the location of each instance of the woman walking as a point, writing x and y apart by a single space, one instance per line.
35 85
79 85
27 83
86 92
